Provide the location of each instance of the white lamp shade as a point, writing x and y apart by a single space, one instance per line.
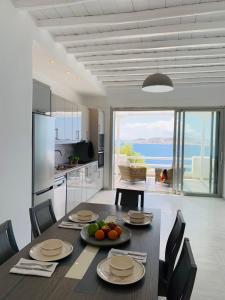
157 83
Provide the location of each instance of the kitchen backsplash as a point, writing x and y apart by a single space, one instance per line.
66 150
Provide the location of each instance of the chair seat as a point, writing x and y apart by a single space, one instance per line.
163 284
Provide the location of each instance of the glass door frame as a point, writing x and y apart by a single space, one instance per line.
178 154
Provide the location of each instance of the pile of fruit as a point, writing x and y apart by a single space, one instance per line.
102 230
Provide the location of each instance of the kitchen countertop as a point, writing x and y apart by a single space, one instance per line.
59 173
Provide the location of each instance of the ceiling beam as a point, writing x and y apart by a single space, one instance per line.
205 81
133 17
172 70
173 76
127 48
152 56
156 65
44 4
142 33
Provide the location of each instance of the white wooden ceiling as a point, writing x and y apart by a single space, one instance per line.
123 41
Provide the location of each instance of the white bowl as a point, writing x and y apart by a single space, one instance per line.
51 247
84 215
137 218
121 265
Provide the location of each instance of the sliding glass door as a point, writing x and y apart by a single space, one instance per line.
197 152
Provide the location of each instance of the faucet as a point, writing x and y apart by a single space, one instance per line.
58 151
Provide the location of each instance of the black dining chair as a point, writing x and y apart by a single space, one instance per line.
42 217
8 246
183 277
172 248
129 198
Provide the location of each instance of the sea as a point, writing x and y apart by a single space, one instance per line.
166 151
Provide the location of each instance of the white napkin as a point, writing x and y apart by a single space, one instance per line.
138 256
72 225
34 267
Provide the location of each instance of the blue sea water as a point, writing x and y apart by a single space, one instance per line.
166 150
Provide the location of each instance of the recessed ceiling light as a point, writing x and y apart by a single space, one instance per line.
51 61
68 72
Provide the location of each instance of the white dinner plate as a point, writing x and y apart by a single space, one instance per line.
103 271
74 218
147 221
35 252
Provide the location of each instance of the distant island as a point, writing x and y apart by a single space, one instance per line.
155 140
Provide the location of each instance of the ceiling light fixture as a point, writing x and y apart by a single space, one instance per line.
68 72
157 83
51 61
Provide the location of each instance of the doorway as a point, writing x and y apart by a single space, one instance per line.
188 144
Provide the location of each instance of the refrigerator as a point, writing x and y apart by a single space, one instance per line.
43 158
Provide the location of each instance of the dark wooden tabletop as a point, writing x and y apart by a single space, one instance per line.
147 239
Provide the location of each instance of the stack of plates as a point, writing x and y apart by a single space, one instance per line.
120 270
51 250
84 216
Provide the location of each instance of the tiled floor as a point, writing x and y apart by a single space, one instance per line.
205 227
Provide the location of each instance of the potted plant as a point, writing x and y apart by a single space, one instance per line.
73 159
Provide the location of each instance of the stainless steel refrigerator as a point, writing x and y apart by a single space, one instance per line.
43 161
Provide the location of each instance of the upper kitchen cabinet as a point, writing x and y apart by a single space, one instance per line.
69 123
41 98
68 114
101 122
77 119
59 114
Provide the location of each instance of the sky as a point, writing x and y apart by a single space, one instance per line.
146 125
160 124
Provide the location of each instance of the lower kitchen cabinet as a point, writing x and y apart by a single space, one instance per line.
83 183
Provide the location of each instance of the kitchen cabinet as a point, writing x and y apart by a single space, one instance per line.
74 188
59 114
83 183
68 122
77 116
41 98
101 122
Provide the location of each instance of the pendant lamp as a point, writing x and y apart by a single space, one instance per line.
157 83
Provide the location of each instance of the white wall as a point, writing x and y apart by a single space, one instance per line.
15 120
188 96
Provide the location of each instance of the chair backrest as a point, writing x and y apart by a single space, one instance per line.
183 277
174 243
129 198
42 217
8 246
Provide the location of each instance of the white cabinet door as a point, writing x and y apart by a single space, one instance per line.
58 113
84 123
100 179
77 119
74 188
41 98
68 123
101 122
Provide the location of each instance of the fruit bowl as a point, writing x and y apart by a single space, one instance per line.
123 238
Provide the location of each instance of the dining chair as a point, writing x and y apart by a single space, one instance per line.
172 248
8 246
42 217
183 277
129 198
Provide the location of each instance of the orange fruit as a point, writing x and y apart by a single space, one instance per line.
99 235
118 229
113 235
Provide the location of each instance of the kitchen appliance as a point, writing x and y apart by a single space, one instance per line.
59 200
43 159
85 151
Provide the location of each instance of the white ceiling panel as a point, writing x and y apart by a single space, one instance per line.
133 30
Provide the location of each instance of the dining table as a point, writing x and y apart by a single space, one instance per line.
91 286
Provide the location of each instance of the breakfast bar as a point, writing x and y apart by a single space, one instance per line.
90 286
